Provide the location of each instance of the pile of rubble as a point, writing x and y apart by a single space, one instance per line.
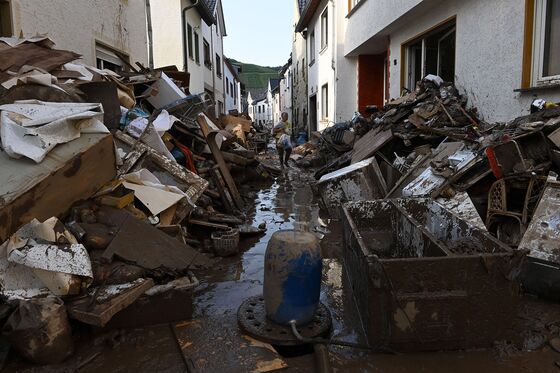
446 217
113 186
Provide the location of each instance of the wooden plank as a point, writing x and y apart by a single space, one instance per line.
99 313
148 247
224 194
217 153
370 143
208 224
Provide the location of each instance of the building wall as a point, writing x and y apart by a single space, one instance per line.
488 62
373 17
346 68
232 95
212 80
168 46
322 71
76 25
299 80
286 94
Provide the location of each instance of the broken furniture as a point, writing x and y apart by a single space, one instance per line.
511 203
541 272
360 181
425 280
40 191
522 154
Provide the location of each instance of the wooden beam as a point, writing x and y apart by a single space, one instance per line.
527 66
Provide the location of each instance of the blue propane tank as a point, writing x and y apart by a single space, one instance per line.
292 277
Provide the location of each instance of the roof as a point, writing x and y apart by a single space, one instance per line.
274 83
301 5
211 5
206 10
286 67
231 68
307 14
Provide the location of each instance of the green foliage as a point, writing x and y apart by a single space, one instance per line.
255 76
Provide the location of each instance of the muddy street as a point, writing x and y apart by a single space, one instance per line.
211 341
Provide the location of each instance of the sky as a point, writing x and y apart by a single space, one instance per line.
259 31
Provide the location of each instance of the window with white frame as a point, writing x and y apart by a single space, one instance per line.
431 53
546 42
325 102
352 4
110 58
312 47
325 29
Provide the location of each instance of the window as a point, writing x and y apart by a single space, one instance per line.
218 66
109 58
196 48
220 107
352 4
227 86
303 69
325 102
231 89
5 19
190 41
207 58
431 53
546 42
312 48
325 29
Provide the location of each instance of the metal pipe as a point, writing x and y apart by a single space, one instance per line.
150 35
183 31
301 338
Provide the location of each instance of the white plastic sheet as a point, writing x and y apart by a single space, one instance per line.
32 128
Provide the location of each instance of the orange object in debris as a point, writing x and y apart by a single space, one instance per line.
189 163
494 166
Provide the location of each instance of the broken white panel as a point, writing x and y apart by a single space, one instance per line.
163 92
461 158
33 76
151 192
427 182
542 237
424 184
15 41
219 138
47 252
462 206
357 182
33 128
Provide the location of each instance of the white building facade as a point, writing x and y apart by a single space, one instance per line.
232 88
286 90
384 47
300 110
113 28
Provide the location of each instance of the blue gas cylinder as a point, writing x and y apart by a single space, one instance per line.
292 277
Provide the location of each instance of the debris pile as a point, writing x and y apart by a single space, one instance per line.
114 187
428 144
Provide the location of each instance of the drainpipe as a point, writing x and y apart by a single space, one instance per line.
150 35
183 30
334 55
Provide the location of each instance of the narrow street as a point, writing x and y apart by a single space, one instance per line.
280 186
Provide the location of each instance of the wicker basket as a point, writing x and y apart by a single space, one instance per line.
226 242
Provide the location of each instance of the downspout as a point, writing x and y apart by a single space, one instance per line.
150 35
213 58
334 55
183 30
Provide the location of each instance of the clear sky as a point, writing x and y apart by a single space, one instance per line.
259 31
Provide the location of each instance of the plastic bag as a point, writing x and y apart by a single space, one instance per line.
285 142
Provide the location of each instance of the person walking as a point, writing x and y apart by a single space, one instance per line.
281 132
